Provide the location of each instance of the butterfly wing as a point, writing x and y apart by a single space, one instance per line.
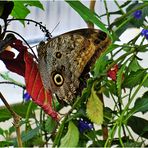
63 59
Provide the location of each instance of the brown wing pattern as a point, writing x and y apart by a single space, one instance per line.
63 59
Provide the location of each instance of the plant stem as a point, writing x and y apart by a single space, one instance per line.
104 127
119 6
59 134
7 82
132 97
11 81
129 132
120 58
111 136
108 16
42 27
92 8
27 115
16 122
119 134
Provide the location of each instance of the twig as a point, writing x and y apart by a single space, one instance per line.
7 82
42 27
119 6
10 80
92 8
104 126
107 12
16 121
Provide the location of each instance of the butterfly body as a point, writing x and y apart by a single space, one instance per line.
63 59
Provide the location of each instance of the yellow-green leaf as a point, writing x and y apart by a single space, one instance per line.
71 138
94 108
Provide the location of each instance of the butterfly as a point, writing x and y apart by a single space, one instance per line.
67 58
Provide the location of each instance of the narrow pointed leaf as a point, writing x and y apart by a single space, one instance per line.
87 14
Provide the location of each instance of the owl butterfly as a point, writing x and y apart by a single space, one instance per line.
66 59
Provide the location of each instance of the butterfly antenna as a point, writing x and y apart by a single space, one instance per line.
55 27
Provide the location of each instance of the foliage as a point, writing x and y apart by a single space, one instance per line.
116 79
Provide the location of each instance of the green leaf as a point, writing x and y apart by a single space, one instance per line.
109 49
133 144
35 3
19 10
101 61
134 65
145 11
143 48
2 3
100 66
19 108
50 124
122 26
134 78
132 6
108 114
4 115
145 84
94 108
134 21
87 14
141 104
6 143
37 141
11 130
30 134
1 131
112 87
71 138
138 125
120 79
125 4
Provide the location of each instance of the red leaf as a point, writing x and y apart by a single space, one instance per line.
7 55
16 65
35 87
24 65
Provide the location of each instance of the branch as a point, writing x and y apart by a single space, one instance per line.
42 27
104 126
13 83
16 121
92 8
